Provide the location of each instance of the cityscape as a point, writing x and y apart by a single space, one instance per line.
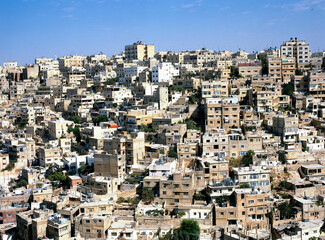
153 144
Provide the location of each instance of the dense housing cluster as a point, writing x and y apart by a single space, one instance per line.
164 145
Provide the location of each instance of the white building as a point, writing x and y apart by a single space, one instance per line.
74 162
159 167
133 71
164 72
10 64
296 48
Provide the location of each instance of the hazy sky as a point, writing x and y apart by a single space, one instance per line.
37 28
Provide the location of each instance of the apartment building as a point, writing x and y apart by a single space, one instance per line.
49 156
118 94
71 61
171 134
93 226
139 51
164 72
258 177
253 209
58 228
250 69
210 170
178 190
275 68
59 128
215 144
200 57
187 152
214 88
286 126
221 115
110 165
4 160
288 66
16 90
299 49
316 87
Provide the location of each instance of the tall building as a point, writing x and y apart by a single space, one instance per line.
296 48
139 51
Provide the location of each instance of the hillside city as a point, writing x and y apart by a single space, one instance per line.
155 145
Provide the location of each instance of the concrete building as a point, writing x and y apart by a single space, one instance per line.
164 72
48 156
139 51
296 48
110 165
250 69
258 177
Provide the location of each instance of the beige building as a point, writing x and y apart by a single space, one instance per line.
110 165
93 226
288 66
4 160
48 156
139 51
286 126
317 84
297 49
250 69
59 128
275 68
221 115
214 88
258 177
58 228
179 190
171 134
210 170
69 61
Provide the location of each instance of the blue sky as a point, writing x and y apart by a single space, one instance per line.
36 28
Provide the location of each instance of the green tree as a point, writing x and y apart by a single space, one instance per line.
21 183
248 158
85 169
299 72
147 194
60 177
172 153
112 81
222 199
265 69
284 185
76 119
76 132
287 89
245 185
149 138
189 229
285 209
99 119
191 124
282 157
